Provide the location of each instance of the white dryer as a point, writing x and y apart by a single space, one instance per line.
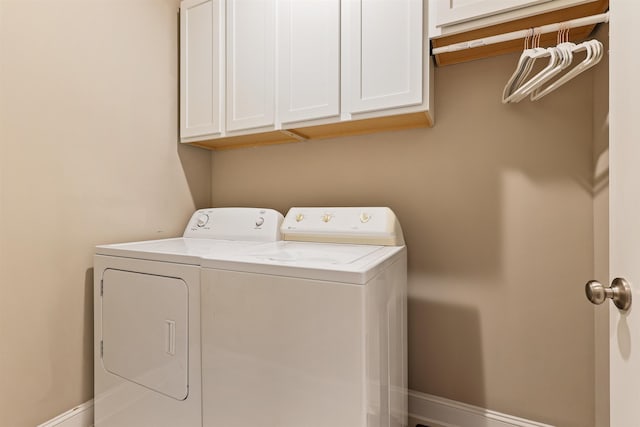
310 331
147 362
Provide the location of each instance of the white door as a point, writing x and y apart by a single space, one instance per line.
624 139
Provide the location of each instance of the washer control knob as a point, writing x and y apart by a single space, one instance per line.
259 221
202 220
299 217
364 217
326 217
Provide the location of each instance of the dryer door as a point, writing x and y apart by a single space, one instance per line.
144 330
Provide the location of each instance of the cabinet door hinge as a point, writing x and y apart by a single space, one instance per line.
101 287
101 349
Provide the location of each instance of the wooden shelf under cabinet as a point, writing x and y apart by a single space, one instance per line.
346 128
575 35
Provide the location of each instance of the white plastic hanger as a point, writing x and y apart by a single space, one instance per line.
523 61
595 52
561 57
523 68
523 91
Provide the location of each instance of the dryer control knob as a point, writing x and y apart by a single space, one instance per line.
202 220
299 217
259 221
364 217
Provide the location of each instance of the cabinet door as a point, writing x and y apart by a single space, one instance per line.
454 11
201 47
384 53
250 64
308 59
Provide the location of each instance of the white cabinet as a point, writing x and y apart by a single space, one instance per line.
201 42
308 59
227 67
454 16
384 54
269 71
250 60
454 11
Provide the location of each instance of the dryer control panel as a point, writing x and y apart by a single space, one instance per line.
249 224
356 225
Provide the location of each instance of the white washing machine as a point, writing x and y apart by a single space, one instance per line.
310 331
147 362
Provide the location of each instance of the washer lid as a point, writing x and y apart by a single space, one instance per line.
346 263
308 254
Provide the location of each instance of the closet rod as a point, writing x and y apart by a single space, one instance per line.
550 28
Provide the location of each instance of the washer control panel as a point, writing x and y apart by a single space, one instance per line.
251 224
358 225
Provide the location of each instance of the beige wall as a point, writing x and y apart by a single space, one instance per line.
497 209
88 155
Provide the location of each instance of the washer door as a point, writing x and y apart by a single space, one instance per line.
144 330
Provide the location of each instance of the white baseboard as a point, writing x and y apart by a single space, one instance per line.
80 416
424 408
428 409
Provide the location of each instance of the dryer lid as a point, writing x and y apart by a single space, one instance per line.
209 231
182 250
